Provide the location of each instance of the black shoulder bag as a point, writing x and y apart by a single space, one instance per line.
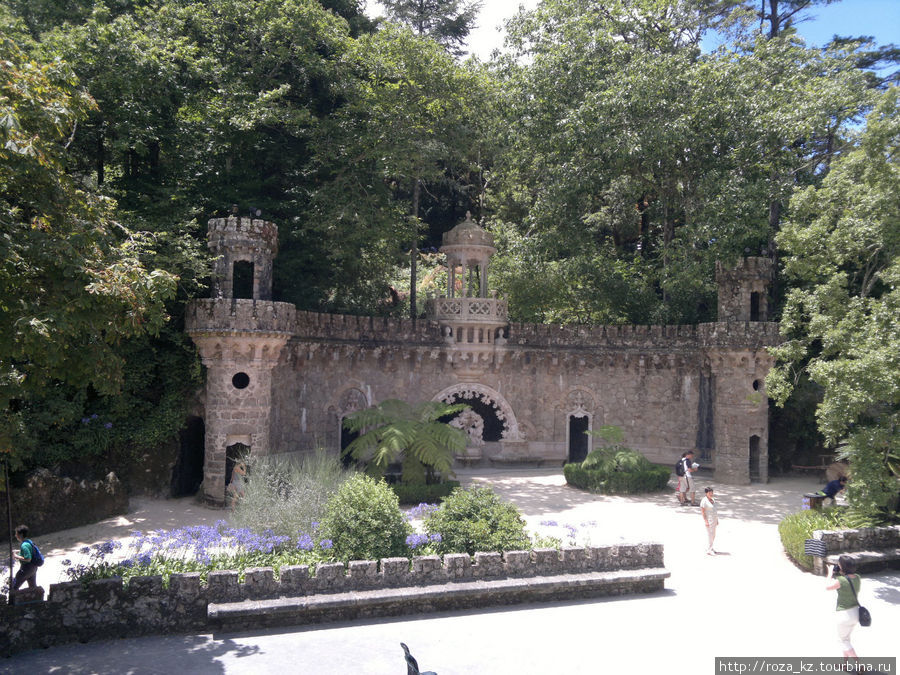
865 619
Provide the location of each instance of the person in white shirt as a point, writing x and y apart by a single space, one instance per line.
709 511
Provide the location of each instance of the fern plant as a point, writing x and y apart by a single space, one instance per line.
414 435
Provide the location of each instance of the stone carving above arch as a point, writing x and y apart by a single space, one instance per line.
351 401
579 403
491 397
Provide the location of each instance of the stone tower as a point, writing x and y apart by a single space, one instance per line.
736 367
471 318
240 340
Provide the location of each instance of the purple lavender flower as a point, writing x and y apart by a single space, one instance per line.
326 544
108 425
436 538
549 523
305 543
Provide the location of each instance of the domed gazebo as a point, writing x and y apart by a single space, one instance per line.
473 315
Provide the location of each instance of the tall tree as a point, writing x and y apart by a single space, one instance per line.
448 22
841 322
72 282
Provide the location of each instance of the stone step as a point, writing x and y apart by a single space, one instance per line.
875 559
323 608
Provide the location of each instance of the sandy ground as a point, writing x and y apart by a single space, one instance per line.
748 601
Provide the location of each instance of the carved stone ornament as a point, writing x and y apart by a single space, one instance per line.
352 401
472 423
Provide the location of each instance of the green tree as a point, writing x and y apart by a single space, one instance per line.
448 22
72 281
841 322
622 142
395 431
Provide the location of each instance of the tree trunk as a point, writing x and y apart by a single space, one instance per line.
414 251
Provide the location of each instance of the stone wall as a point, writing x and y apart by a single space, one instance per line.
645 379
49 503
106 609
871 539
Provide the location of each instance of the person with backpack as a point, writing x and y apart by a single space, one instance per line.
29 557
684 469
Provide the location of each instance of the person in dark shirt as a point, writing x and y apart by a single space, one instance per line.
831 490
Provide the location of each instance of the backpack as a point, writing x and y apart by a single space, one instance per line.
37 557
679 467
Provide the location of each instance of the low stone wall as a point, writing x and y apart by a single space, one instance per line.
867 540
107 609
49 503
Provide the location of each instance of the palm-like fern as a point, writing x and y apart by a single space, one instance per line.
395 430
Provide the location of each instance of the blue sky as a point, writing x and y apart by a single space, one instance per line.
879 18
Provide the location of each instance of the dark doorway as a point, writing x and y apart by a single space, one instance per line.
242 282
754 307
347 437
233 454
187 475
578 439
754 459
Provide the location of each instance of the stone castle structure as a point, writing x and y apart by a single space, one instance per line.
281 380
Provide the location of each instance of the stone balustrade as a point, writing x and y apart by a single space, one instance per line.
468 310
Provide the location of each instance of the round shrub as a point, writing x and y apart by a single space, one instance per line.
476 519
364 522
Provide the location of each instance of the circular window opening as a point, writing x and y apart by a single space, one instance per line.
240 380
756 385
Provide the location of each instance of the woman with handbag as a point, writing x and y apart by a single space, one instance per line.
846 582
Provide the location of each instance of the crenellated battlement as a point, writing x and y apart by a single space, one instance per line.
365 329
230 315
107 608
234 231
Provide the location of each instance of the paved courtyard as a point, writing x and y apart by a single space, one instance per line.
749 601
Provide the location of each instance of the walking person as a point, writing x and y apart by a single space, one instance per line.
28 558
710 511
846 582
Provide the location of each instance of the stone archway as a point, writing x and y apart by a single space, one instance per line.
349 401
490 397
579 406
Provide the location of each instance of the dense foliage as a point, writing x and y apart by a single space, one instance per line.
842 316
412 435
288 496
476 519
604 149
364 521
615 469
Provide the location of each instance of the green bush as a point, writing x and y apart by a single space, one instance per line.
416 493
363 520
652 479
796 528
609 460
288 495
476 519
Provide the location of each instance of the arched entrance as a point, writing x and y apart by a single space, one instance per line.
499 420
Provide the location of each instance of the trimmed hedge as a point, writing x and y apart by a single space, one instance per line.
415 493
652 479
796 528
